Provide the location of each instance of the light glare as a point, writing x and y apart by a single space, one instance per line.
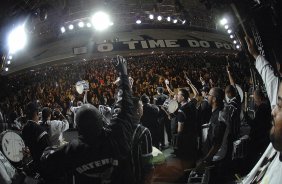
17 39
80 24
238 46
168 19
234 41
223 21
101 21
88 24
160 18
71 27
10 57
138 21
229 31
175 21
8 62
63 29
6 69
226 26
231 36
151 16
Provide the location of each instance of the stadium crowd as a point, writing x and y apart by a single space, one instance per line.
202 130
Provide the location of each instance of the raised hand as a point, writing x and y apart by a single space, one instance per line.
120 64
251 46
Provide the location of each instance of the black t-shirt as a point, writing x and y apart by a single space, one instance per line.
36 138
205 112
187 114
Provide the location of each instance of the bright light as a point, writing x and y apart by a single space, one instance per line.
71 27
160 18
223 21
63 29
101 21
88 24
226 26
168 19
231 36
81 24
8 62
111 23
238 46
10 57
175 21
234 41
184 21
6 69
151 16
138 21
17 39
229 31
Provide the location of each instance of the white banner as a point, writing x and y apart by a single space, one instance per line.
268 170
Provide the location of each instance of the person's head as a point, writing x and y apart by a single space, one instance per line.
79 103
230 91
32 112
145 99
46 114
160 90
138 109
215 97
205 90
182 95
90 122
258 97
276 130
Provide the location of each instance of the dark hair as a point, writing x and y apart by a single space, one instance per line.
46 112
145 99
231 89
135 101
160 90
31 110
185 93
259 93
219 96
89 122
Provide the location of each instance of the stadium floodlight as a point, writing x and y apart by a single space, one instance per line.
63 29
10 57
231 36
8 62
229 31
71 27
223 21
226 26
168 19
138 21
234 41
88 24
17 39
6 69
81 24
159 18
175 21
101 21
238 46
151 16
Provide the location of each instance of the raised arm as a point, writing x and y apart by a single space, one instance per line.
168 88
266 72
194 89
121 122
230 77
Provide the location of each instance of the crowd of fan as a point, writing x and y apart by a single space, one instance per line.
54 86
